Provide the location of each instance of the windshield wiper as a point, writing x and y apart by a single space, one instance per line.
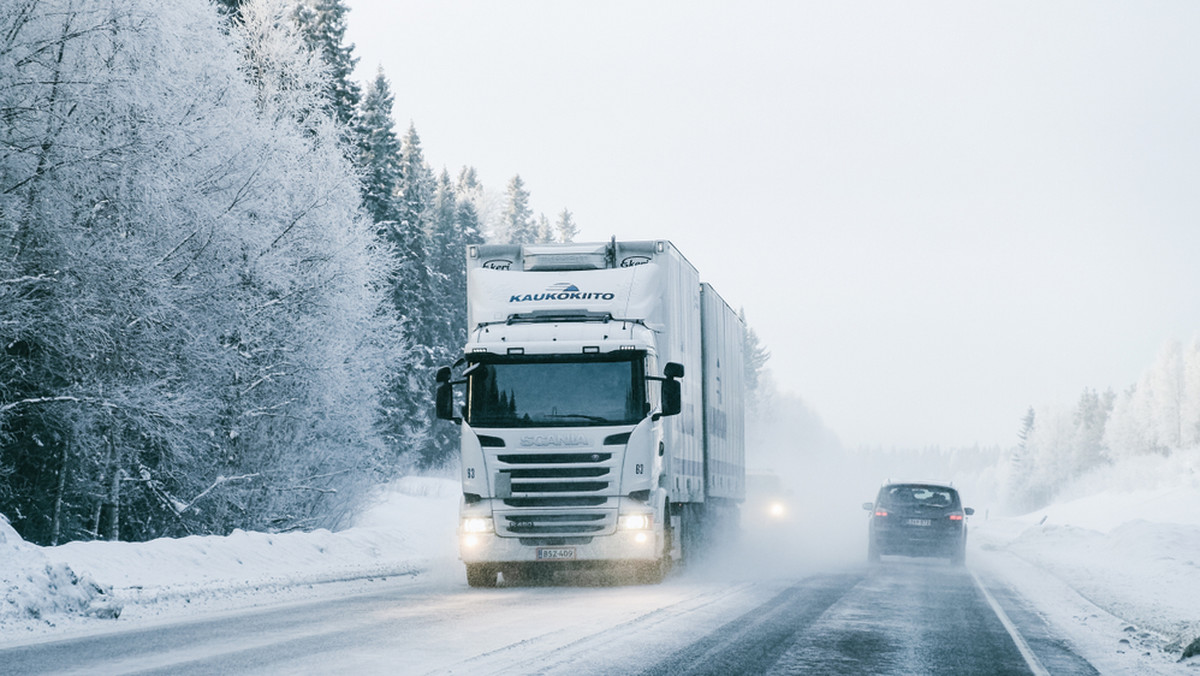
591 418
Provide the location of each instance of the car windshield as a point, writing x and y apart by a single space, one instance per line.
557 392
918 496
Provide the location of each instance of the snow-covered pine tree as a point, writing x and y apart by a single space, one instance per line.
232 8
1018 469
1091 417
1191 399
756 356
448 293
409 237
323 24
566 227
544 234
379 152
486 206
518 224
409 404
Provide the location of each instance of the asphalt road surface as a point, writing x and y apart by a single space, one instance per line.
906 616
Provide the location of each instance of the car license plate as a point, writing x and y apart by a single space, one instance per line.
919 522
555 553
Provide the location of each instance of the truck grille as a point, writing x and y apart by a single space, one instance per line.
556 473
543 484
556 524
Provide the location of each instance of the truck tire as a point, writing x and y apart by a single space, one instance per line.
481 575
652 572
655 571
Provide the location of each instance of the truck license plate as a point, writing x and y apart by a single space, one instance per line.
918 522
555 553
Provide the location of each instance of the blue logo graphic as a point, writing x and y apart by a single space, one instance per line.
561 291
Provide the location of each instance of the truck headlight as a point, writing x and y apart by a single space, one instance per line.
478 525
634 522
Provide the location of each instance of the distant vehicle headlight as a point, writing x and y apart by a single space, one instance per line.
777 510
478 525
634 522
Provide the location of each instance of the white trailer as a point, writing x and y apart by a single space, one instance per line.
601 410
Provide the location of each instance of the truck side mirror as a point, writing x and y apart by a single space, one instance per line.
444 398
673 369
672 397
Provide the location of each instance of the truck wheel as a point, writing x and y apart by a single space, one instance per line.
481 575
650 573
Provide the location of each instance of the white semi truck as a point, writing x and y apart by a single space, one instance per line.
600 401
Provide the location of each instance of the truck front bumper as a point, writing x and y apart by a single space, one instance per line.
632 545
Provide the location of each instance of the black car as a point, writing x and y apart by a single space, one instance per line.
918 519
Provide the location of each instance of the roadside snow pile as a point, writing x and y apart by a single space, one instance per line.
1131 546
409 531
34 587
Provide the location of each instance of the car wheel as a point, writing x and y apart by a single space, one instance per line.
872 551
959 557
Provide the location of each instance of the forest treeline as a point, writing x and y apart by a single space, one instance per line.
1158 415
225 278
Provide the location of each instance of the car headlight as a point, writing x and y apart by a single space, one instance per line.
478 525
634 522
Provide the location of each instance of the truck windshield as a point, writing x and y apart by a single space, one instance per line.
531 391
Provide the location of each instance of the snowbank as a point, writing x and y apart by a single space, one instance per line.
1128 541
36 587
409 532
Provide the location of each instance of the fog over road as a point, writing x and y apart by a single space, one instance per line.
902 617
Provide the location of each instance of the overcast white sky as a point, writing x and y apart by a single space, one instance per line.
934 214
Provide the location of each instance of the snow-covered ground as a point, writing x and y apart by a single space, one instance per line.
82 586
1116 567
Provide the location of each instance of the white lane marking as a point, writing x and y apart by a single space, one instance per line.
1035 665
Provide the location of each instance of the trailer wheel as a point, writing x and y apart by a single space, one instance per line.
481 575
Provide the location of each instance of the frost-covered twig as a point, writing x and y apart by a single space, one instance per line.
50 400
220 480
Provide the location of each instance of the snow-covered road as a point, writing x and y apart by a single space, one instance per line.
901 617
1078 588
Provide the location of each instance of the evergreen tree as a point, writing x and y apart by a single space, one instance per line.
409 404
756 356
544 234
379 152
518 223
413 208
1090 418
452 227
231 8
566 227
483 206
323 24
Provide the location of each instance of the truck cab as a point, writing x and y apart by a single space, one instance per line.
574 410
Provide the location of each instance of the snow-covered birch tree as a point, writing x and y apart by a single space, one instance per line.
189 293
